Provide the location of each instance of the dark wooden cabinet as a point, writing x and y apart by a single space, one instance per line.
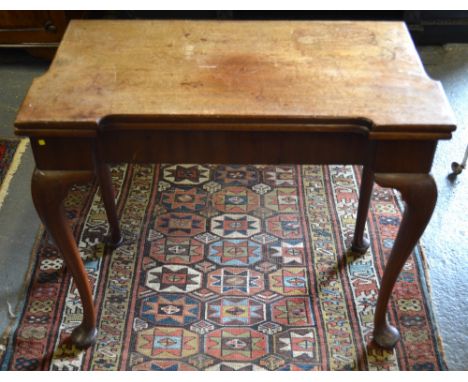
42 31
39 32
32 28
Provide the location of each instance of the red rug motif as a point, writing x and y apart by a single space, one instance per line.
7 151
227 268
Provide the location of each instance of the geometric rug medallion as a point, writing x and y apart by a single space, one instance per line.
227 267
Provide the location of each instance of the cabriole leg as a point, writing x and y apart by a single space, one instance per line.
49 189
107 192
419 191
360 243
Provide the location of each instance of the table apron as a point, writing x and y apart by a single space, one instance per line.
233 147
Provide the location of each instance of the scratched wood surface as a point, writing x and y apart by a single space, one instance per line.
240 69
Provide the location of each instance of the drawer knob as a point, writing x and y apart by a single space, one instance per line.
50 27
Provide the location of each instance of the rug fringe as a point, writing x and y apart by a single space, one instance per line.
22 146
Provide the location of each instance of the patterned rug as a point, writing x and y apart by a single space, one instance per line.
8 148
227 268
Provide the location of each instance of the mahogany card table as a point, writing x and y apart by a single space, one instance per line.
270 92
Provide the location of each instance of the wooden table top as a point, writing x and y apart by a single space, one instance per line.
369 71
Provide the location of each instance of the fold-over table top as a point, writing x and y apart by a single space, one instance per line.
299 70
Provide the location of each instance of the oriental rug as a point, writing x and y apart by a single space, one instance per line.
227 267
10 154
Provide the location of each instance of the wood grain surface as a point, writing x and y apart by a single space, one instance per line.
298 70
